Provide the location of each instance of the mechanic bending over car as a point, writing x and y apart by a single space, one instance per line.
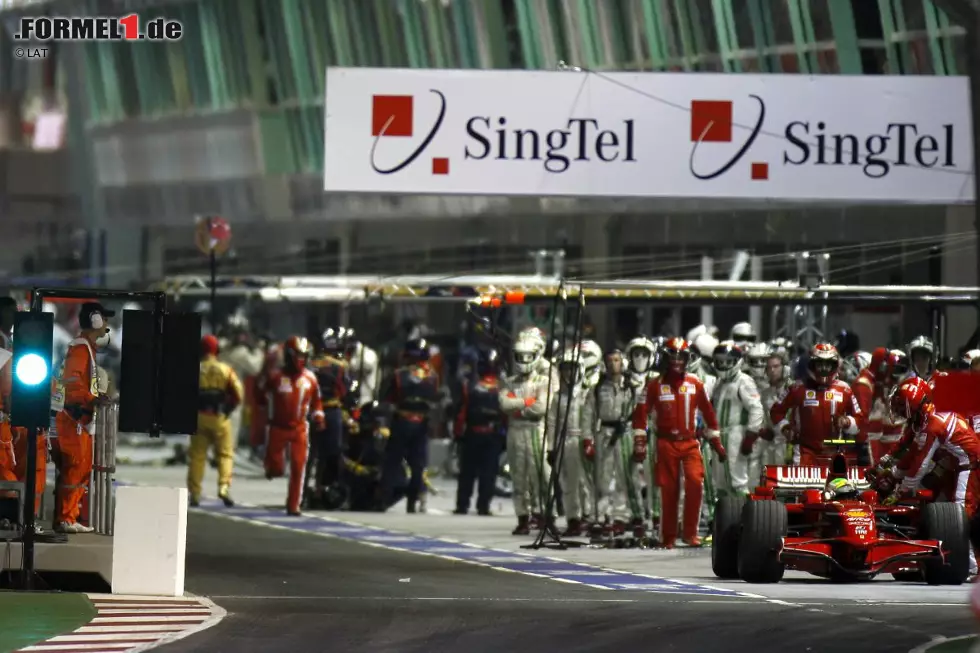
943 438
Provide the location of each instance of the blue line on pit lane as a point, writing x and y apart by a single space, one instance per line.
518 562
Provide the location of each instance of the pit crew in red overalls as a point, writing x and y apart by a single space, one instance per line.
672 401
880 430
293 397
929 433
822 407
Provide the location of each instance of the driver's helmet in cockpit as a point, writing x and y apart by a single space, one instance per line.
840 489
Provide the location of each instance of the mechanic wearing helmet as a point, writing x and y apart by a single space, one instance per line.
258 425
592 369
524 402
671 402
922 357
293 397
702 350
415 392
880 429
363 365
929 436
743 335
929 433
641 352
736 398
479 430
220 392
816 409
572 414
327 444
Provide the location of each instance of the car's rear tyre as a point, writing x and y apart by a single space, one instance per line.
725 536
764 525
947 522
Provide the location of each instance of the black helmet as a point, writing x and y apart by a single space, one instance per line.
487 362
416 350
332 341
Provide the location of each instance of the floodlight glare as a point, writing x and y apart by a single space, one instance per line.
31 369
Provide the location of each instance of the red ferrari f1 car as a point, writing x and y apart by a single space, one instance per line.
792 521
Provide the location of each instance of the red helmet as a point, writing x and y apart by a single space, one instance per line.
296 351
675 354
209 345
911 400
877 365
824 363
896 367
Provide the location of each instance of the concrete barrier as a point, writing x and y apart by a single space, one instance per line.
150 541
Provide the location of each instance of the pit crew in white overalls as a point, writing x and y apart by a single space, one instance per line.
590 357
572 410
703 348
524 399
775 450
620 503
640 355
739 408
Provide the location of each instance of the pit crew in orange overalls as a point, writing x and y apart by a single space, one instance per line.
293 397
76 421
8 459
672 401
258 406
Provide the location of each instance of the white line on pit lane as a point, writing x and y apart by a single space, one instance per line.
939 639
418 598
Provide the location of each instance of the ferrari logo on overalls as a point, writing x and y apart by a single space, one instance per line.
685 389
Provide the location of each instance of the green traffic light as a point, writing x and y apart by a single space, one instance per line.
31 369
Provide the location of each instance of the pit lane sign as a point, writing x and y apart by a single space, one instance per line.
212 234
793 137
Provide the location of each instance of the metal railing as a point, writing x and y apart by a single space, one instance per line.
102 495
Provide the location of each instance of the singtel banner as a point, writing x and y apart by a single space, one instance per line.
787 137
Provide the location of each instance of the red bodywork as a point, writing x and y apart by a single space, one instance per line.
849 539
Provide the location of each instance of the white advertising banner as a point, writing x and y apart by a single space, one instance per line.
887 139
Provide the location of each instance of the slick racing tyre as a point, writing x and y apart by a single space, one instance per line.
725 536
764 524
947 522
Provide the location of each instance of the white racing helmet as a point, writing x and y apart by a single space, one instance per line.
702 349
528 351
640 354
756 359
727 360
693 334
742 334
592 365
919 348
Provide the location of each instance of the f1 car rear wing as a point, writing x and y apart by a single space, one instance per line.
788 477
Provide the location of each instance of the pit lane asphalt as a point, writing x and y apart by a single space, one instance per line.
288 592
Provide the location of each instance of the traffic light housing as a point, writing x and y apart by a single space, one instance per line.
30 397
